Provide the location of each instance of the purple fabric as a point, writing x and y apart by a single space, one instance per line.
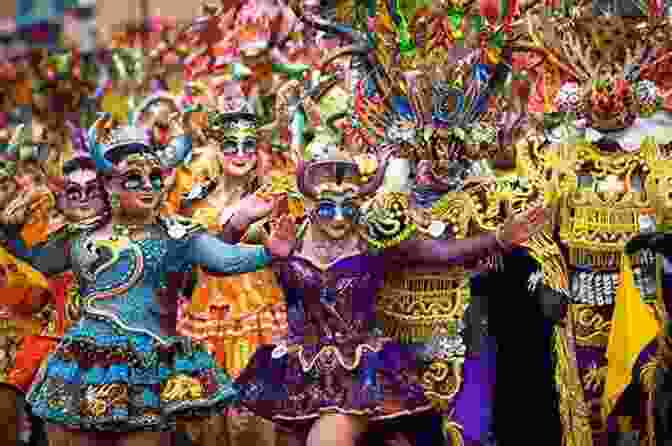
332 308
474 403
443 252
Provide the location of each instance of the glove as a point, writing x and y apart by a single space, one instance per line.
658 242
553 303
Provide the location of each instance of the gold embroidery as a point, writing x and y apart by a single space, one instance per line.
99 399
414 305
181 388
575 413
592 328
453 430
442 381
595 377
329 356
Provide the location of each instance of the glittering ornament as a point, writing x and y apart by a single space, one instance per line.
568 98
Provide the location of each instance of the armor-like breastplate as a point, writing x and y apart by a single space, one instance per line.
598 217
416 304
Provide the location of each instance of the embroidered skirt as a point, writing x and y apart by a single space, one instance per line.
376 379
99 380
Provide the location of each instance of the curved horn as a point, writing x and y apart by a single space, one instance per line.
377 180
94 135
302 184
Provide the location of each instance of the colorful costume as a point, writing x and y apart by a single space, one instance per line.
120 367
597 165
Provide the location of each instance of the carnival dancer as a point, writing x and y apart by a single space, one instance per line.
121 369
336 379
597 162
661 410
234 315
24 290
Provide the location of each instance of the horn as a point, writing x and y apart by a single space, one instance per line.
377 180
301 181
94 135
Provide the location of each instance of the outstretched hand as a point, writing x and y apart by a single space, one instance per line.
520 228
282 240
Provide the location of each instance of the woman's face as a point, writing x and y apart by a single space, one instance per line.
335 215
239 149
82 197
139 186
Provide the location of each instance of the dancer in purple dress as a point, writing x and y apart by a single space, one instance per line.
337 378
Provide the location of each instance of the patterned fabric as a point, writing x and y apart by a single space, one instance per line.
334 362
119 368
101 379
237 314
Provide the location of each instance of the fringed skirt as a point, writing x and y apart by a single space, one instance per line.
102 379
295 386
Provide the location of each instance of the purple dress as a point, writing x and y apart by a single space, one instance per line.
335 363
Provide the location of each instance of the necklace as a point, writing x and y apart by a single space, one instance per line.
120 231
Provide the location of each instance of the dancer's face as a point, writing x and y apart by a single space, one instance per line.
140 184
30 184
82 197
239 149
335 215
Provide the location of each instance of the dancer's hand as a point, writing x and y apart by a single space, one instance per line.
282 240
252 209
520 228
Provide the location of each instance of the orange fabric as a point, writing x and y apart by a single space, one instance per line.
37 229
33 351
16 296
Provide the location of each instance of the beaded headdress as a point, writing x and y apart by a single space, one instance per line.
429 101
108 142
233 110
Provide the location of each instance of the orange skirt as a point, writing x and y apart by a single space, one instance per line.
32 352
241 314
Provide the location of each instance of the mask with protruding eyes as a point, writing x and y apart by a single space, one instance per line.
136 181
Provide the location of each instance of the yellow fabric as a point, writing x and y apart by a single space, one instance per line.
20 274
633 327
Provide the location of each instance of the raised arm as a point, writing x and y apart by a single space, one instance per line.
444 252
220 257
50 258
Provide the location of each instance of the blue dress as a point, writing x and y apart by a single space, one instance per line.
121 368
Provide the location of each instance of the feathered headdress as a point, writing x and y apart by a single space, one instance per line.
608 65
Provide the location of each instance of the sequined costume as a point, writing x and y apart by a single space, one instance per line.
121 367
334 361
242 313
601 180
